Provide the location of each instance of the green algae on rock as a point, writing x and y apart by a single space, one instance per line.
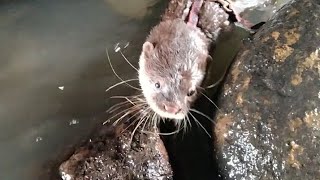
269 124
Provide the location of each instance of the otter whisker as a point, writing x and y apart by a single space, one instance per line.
145 122
164 134
219 80
211 101
134 109
117 74
199 87
184 125
142 112
137 98
124 115
155 120
201 113
135 129
151 122
117 106
138 112
122 82
128 111
142 117
197 122
127 98
178 124
214 84
127 60
133 96
125 103
188 121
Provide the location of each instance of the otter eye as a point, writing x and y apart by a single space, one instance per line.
190 93
157 85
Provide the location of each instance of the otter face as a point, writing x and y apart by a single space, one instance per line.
170 85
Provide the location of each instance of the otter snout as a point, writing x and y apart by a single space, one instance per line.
172 108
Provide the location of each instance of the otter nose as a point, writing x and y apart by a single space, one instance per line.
171 108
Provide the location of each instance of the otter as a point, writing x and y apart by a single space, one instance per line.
173 62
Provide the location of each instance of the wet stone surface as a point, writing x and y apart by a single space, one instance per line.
269 123
251 12
112 156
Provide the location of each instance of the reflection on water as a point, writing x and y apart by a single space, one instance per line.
54 74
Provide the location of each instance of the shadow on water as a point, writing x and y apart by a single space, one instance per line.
54 73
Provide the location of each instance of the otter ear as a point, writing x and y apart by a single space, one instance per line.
147 49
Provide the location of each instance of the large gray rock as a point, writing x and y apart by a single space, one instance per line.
268 126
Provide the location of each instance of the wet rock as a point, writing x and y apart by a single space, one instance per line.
115 154
250 13
269 123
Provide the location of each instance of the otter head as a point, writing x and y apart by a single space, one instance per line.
170 76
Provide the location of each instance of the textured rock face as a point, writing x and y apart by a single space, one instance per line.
269 123
114 156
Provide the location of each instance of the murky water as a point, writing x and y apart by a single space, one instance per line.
54 73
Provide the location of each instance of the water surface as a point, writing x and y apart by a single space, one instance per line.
54 73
